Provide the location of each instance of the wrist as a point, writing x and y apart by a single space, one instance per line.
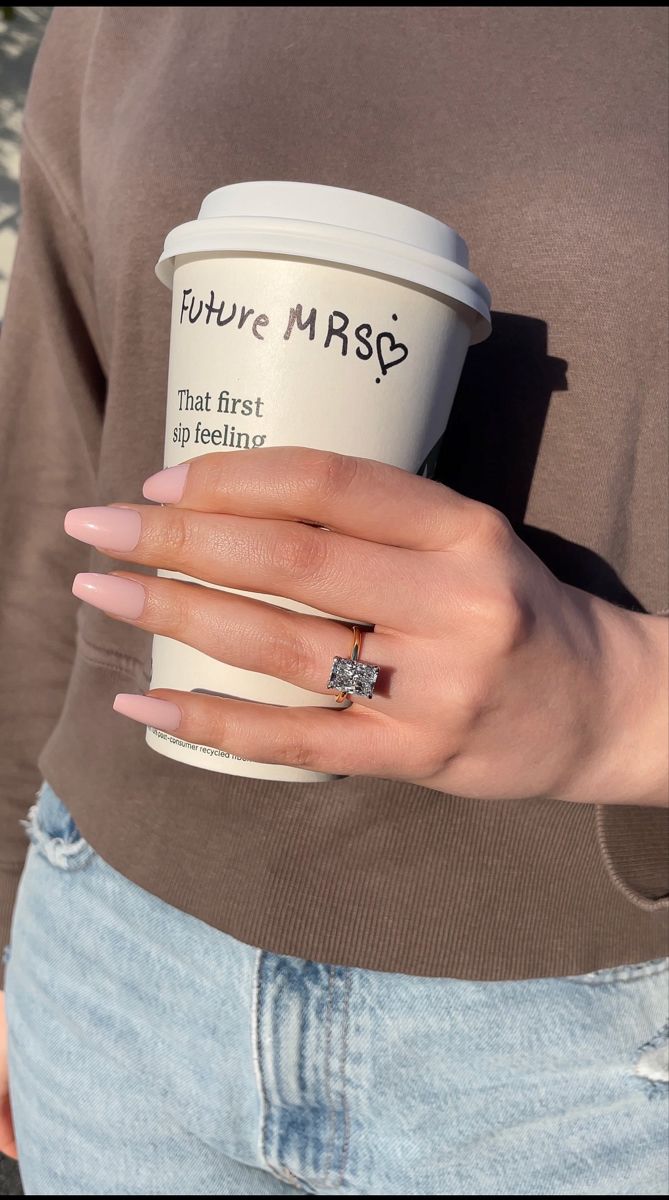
626 758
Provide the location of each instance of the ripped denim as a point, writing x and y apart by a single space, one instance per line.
151 1054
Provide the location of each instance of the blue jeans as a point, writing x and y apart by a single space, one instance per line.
151 1054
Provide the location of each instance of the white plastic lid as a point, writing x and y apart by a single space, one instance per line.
331 224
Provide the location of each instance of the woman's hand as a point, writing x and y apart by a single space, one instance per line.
7 1139
496 679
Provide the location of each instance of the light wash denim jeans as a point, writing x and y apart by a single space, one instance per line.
151 1054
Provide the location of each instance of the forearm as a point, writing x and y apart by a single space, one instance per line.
628 762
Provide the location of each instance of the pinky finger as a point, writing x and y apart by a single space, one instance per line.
348 741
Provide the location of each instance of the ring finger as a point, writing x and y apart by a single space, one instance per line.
252 634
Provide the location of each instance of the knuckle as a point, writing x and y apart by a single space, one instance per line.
210 474
422 753
293 748
475 606
476 700
176 537
292 658
492 528
215 731
433 518
503 618
511 620
467 700
176 609
301 552
327 476
421 760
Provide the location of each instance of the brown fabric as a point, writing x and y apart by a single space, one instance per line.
540 135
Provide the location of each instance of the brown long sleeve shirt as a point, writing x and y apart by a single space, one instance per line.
540 135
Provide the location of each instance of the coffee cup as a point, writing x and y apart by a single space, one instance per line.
313 316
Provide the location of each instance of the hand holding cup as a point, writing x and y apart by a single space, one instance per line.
496 680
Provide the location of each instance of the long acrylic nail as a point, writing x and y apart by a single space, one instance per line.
168 486
120 597
109 528
149 711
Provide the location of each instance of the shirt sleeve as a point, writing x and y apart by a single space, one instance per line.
52 390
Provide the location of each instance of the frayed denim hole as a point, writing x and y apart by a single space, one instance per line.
653 1061
625 973
32 830
61 853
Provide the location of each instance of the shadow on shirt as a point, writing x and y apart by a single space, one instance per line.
492 444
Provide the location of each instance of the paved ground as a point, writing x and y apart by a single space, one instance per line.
19 40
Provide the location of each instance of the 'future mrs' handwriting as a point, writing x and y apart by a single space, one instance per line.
333 329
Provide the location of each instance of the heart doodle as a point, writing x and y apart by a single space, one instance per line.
398 349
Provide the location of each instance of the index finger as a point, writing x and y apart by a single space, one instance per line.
361 497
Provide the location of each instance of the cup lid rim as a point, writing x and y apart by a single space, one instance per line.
334 244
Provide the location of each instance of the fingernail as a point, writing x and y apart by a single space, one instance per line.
120 597
168 486
110 528
149 711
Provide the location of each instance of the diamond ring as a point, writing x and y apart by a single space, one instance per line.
350 675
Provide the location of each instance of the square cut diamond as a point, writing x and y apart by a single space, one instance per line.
351 675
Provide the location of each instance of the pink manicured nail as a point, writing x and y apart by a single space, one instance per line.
166 487
110 528
120 597
149 711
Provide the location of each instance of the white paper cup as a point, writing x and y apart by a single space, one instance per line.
312 316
